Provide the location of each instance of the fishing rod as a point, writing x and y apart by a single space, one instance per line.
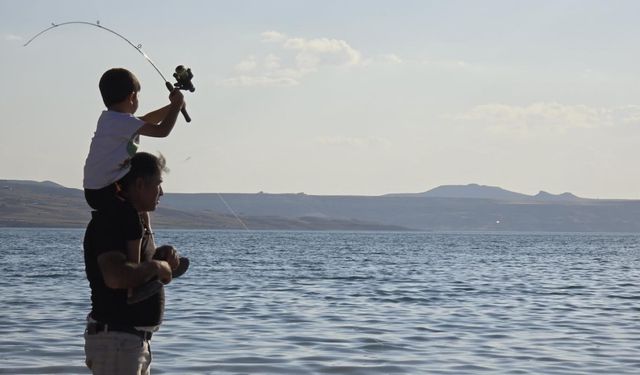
182 75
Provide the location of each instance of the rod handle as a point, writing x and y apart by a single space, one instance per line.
186 116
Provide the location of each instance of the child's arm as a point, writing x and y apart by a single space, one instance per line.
155 117
158 125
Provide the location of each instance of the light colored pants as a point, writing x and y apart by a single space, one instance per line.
109 353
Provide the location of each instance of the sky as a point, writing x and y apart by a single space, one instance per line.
339 97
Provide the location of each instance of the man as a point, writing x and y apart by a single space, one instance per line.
118 334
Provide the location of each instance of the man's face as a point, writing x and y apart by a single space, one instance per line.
150 192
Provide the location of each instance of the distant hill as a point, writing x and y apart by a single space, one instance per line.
7 184
471 191
47 204
564 197
447 208
475 191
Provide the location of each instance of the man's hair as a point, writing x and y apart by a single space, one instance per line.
143 165
116 84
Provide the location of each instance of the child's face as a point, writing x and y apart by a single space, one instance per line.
134 102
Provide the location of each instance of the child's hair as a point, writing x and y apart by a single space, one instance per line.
116 84
143 165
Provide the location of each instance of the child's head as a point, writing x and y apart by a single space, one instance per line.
118 85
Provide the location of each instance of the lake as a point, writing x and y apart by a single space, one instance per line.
346 303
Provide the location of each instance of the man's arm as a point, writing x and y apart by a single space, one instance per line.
169 254
120 274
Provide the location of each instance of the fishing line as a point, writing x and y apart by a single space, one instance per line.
97 24
233 212
182 75
183 83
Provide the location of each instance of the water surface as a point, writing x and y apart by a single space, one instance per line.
346 303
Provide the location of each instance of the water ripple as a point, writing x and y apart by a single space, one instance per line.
346 303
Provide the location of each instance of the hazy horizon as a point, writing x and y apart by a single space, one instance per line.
340 98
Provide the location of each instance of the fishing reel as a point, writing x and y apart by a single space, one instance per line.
183 78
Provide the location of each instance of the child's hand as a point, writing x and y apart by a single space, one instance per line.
176 97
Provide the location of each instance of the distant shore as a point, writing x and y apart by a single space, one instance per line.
449 208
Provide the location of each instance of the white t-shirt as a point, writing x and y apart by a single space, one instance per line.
115 141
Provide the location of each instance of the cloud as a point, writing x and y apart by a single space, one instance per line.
391 58
272 62
547 117
627 115
292 59
246 65
273 37
324 51
446 64
11 38
261 81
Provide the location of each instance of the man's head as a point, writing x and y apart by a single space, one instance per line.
141 185
119 89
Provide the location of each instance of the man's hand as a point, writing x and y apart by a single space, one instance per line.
164 271
169 254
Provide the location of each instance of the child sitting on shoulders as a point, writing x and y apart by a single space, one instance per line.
115 141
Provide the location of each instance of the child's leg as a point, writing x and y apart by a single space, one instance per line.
102 199
133 251
146 222
148 245
133 256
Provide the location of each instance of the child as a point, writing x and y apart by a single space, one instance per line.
115 141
